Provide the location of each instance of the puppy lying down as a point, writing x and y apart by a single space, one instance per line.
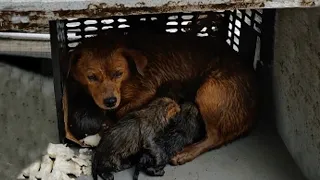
119 147
150 136
182 130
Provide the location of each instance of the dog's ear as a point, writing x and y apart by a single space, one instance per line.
73 59
74 56
139 59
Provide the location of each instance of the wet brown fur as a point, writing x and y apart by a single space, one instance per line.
226 96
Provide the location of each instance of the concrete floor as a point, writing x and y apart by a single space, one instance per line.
28 121
260 156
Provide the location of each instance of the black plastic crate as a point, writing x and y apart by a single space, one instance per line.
249 32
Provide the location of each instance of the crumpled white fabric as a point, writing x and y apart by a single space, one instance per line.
58 163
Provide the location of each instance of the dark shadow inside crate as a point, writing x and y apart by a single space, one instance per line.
241 30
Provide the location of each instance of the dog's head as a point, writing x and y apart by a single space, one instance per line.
102 68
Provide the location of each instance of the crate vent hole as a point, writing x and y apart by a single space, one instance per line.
239 14
202 34
74 30
107 21
258 18
153 18
73 24
249 12
229 34
123 26
202 16
237 32
228 41
231 18
204 29
214 28
122 20
230 26
238 23
71 19
173 17
172 23
143 19
73 36
172 30
256 28
73 44
184 23
88 22
90 28
89 35
106 27
247 20
187 17
236 40
235 47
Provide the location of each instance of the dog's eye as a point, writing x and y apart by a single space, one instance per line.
117 74
92 78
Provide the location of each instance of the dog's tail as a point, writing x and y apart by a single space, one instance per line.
136 173
94 166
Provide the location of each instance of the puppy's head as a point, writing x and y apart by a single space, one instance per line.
166 106
189 110
102 68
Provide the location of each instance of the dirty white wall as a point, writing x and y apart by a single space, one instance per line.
297 81
28 120
25 48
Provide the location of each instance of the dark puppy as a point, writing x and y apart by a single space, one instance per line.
182 130
84 116
136 131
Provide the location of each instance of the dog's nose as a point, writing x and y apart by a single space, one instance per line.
110 102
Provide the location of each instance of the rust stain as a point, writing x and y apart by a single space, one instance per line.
140 4
38 20
307 3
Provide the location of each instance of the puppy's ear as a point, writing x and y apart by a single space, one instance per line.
139 59
172 111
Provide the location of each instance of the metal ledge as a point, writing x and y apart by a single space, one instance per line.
33 15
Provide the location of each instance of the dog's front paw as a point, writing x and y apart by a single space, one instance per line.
182 158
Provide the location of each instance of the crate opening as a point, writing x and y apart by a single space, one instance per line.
241 29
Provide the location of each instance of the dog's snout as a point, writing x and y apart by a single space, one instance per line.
110 102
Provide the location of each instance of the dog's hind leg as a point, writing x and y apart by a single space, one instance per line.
226 106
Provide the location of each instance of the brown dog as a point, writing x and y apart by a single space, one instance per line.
123 72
